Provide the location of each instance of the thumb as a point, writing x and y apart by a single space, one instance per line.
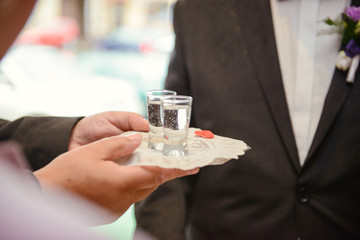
113 148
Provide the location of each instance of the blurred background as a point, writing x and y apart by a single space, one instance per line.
80 57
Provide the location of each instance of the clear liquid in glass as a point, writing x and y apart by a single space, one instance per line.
176 125
156 136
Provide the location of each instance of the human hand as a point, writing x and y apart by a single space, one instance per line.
89 171
106 124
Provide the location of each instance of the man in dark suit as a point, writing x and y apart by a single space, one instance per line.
226 58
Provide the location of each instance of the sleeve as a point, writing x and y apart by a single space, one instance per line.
164 213
177 76
41 138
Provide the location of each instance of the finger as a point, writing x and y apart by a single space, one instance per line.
113 148
128 121
142 177
138 123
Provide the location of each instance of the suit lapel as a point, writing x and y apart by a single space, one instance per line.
257 30
335 98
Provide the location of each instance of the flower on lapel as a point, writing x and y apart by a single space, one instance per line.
343 61
353 13
348 25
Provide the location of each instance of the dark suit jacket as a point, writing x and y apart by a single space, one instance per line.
225 57
41 138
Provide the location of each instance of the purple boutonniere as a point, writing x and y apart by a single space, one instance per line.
349 27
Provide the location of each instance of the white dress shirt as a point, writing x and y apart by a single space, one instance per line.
307 60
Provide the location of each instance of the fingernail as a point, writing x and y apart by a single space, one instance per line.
192 171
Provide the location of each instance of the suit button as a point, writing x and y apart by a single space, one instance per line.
303 195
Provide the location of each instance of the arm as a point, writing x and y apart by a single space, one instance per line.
44 138
15 14
88 169
41 138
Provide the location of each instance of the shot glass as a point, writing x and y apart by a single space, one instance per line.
176 112
153 105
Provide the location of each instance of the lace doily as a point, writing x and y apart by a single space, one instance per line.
202 152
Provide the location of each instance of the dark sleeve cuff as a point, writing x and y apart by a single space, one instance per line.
43 138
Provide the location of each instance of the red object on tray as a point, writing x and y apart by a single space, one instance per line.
204 134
